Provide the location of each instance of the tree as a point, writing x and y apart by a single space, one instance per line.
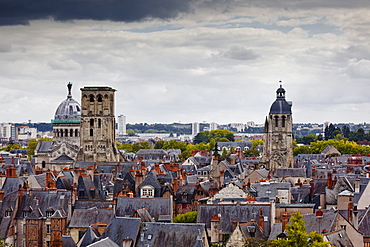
256 242
251 153
217 135
189 217
130 132
345 131
32 144
297 235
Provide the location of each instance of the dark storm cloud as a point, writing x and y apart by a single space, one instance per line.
21 12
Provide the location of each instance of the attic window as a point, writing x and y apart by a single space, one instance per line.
49 213
8 213
150 236
147 191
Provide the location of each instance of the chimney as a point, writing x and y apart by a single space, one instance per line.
249 183
357 185
313 171
261 222
355 217
126 242
234 223
312 185
138 181
175 185
319 212
330 181
350 208
156 168
1 195
215 229
48 179
284 220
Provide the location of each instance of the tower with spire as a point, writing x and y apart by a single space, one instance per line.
278 134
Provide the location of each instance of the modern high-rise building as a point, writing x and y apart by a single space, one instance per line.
195 128
121 125
7 131
278 134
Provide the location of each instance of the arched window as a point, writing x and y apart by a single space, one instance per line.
71 132
66 133
100 98
76 132
91 132
283 121
99 123
91 122
92 99
61 133
276 121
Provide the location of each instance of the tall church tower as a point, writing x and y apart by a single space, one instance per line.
278 137
98 126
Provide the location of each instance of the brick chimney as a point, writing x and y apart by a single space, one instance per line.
350 208
138 180
261 222
1 195
312 185
48 179
319 212
330 181
284 220
175 185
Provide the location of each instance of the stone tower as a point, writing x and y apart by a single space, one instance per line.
278 138
98 126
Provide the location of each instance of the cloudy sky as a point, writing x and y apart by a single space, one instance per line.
187 60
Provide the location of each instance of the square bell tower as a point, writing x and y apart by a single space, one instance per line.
98 126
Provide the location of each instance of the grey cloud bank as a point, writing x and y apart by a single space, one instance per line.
216 61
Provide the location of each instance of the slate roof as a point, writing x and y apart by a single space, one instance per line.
293 172
364 223
326 222
44 146
89 237
68 241
82 218
342 184
169 234
122 228
9 202
277 228
45 199
12 184
339 239
63 159
144 215
126 207
231 212
106 242
266 189
185 190
90 204
151 180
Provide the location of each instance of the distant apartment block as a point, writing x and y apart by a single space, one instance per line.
121 124
195 128
7 131
213 126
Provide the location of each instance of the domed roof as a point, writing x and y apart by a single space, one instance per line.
69 109
281 106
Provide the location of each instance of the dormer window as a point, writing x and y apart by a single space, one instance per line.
147 191
8 212
49 212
